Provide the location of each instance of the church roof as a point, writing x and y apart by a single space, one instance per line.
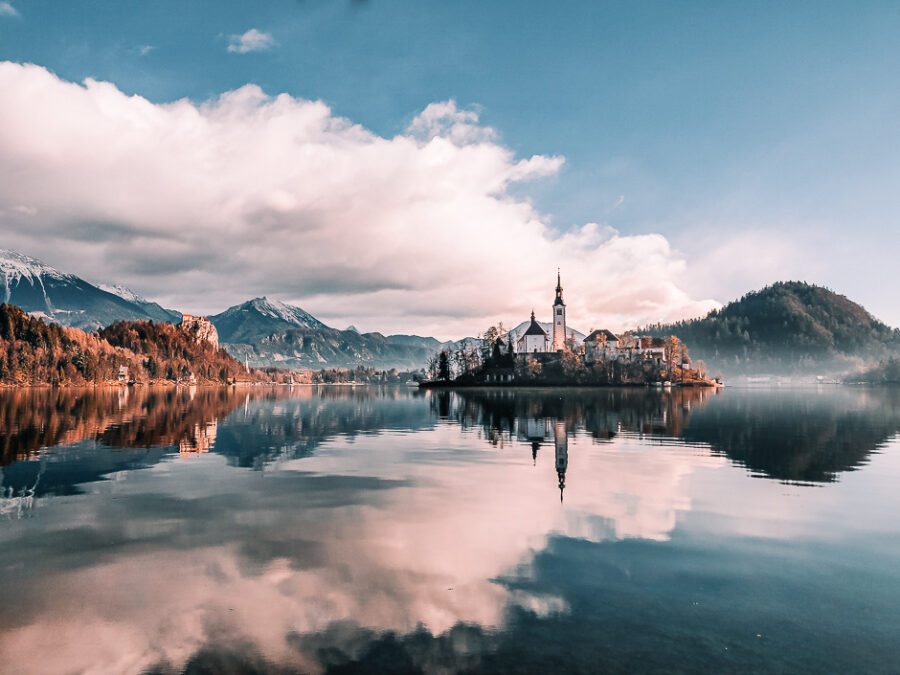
534 328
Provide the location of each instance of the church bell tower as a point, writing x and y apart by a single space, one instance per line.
559 317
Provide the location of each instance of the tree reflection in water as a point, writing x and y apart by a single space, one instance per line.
792 435
343 529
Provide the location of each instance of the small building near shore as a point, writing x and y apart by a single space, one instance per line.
601 345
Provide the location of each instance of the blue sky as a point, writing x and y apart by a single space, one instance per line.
735 130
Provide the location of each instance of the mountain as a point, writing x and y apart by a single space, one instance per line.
66 299
271 333
259 318
786 328
414 341
316 348
154 311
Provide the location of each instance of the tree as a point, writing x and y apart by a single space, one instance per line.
572 363
570 342
443 366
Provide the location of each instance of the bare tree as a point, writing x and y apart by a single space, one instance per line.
431 366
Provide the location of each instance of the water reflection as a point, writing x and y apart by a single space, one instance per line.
367 529
799 436
38 418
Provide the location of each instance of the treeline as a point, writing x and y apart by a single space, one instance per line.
788 326
33 352
359 374
886 372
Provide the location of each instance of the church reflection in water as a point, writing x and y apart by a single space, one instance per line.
802 436
549 418
795 436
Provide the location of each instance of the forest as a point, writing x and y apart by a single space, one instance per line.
34 352
788 327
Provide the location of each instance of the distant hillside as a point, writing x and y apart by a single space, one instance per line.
69 300
886 372
331 348
786 328
33 352
272 333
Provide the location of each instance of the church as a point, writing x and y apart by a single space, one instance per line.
535 339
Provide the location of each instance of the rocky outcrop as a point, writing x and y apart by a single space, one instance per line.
200 328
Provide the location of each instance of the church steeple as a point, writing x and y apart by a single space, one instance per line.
559 298
559 317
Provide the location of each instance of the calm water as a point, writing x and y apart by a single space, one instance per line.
390 530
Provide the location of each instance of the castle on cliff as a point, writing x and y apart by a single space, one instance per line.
200 327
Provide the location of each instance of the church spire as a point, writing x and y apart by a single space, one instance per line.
559 298
559 317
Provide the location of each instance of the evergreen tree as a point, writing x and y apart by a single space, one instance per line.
443 366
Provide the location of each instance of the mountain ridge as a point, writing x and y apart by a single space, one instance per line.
46 292
788 327
784 328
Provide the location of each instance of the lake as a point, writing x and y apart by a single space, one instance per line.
388 530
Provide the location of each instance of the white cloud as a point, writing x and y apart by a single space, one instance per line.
7 9
201 206
251 41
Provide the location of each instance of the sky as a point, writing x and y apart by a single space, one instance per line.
425 167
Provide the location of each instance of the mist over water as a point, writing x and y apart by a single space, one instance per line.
376 529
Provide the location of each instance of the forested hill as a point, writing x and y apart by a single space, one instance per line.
786 328
33 352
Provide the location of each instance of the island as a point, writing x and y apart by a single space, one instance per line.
532 357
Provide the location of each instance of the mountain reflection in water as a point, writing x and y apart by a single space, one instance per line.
367 529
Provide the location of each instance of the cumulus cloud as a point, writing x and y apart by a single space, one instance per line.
251 41
7 9
203 205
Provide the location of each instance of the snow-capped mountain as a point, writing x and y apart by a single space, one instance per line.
67 299
15 267
259 318
155 311
122 292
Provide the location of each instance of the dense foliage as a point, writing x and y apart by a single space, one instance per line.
786 327
886 372
33 352
170 353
